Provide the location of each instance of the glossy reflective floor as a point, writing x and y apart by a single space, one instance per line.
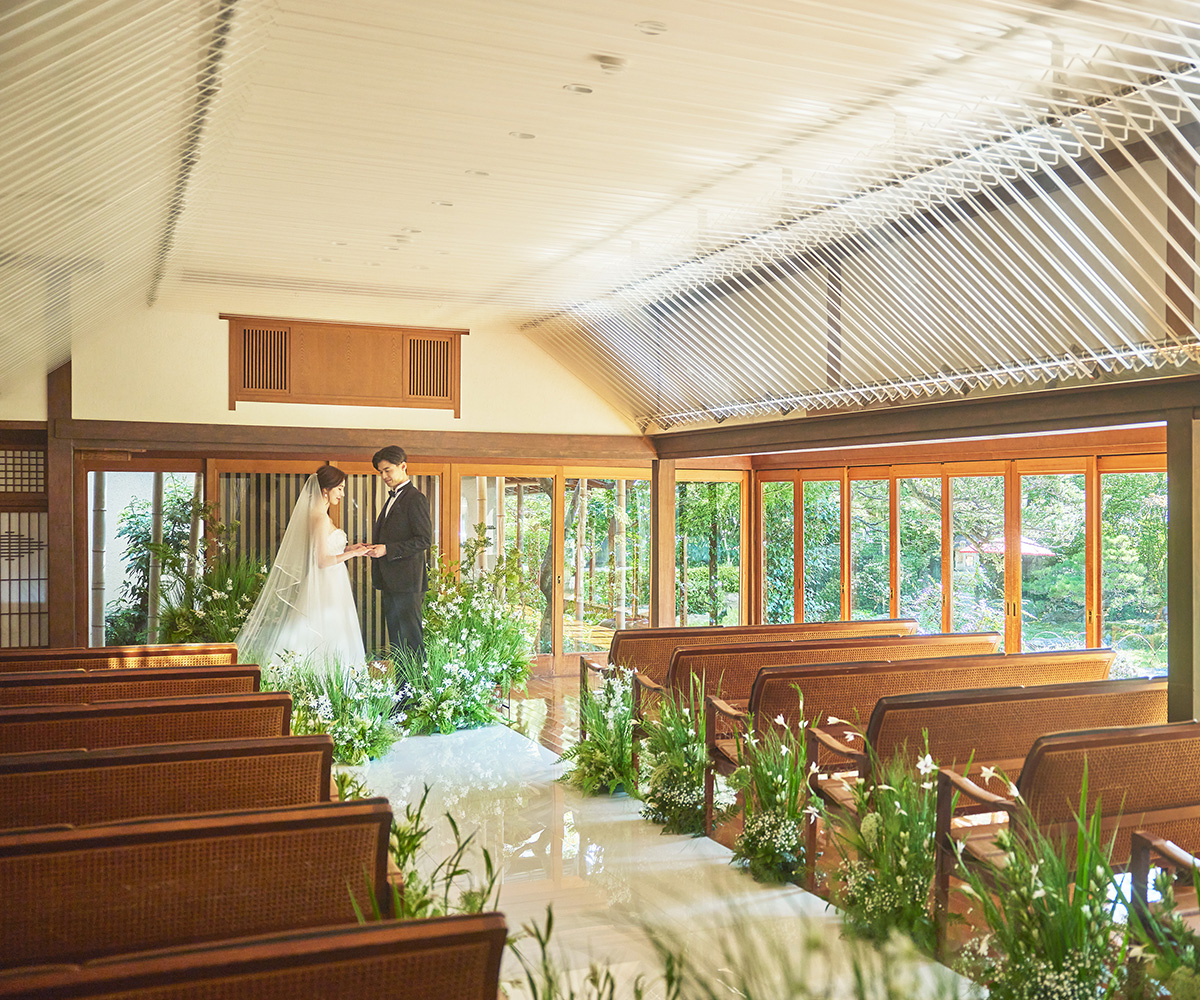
607 872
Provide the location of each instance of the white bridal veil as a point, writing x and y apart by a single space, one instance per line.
306 605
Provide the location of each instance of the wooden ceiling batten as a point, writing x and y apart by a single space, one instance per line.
305 361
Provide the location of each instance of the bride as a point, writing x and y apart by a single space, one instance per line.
306 606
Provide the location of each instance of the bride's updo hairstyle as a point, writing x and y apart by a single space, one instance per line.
329 476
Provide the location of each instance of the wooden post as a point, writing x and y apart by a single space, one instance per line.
60 496
1182 597
580 545
619 554
662 542
98 537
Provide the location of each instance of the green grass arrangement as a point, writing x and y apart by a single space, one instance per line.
772 777
886 848
673 758
213 606
1052 931
353 704
455 688
1168 951
603 763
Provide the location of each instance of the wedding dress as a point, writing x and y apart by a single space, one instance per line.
306 606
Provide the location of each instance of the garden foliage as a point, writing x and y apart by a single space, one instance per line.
603 762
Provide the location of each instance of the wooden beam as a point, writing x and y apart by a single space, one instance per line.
1087 407
320 443
60 493
662 544
1182 596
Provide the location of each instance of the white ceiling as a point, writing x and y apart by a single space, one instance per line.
371 148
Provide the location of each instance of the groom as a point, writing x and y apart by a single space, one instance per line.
403 534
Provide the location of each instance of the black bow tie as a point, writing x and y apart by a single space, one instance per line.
392 492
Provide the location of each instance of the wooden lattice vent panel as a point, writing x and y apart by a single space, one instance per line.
302 361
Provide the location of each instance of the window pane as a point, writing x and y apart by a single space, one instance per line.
920 503
977 526
870 575
708 520
1133 571
1053 527
822 551
606 579
779 553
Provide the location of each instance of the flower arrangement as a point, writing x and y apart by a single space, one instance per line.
773 778
352 704
1053 929
673 763
1168 950
886 847
475 643
213 606
603 762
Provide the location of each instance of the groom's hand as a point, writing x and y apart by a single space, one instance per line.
376 551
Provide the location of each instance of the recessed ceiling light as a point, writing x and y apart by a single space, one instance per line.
651 27
577 88
442 253
391 248
406 231
477 173
949 52
374 263
443 204
339 243
324 260
609 63
522 135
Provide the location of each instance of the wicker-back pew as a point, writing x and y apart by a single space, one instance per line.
83 687
649 650
136 723
455 957
76 894
84 787
969 730
1138 778
189 654
729 672
850 691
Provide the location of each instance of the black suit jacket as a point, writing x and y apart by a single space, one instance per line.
407 533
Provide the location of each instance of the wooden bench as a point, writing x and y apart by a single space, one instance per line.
972 729
649 650
190 654
850 691
76 894
82 787
136 723
82 687
729 672
455 957
1138 778
1147 850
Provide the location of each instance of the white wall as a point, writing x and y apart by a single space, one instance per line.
169 363
24 396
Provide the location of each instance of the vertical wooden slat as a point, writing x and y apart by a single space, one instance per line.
1182 631
662 543
60 493
1012 559
947 557
798 548
1091 553
845 542
894 543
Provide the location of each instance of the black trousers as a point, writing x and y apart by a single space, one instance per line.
402 616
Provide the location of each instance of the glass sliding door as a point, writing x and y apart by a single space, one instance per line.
1133 571
708 533
822 500
977 530
779 552
606 579
870 540
920 505
1053 553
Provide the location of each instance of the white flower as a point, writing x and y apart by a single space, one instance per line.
779 720
1012 790
783 748
987 773
812 812
926 765
835 721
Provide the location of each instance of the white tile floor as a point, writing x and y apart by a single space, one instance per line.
606 871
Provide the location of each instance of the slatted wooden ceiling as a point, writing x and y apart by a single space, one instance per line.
757 208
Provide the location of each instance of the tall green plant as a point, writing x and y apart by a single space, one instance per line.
773 780
886 846
1166 947
603 762
1051 914
673 764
